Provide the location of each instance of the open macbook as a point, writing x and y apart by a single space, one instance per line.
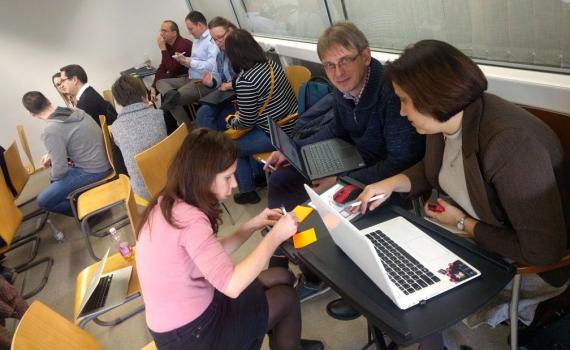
317 160
408 265
105 291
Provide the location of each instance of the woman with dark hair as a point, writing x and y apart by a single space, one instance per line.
68 99
262 91
500 166
195 297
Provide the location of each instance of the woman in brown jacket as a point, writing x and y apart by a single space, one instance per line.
500 165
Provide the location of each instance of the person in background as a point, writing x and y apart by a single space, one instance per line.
137 127
170 42
365 114
209 116
74 83
178 92
501 167
76 154
195 296
68 99
258 76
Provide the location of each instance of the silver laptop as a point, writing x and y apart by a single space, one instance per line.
105 291
408 265
317 160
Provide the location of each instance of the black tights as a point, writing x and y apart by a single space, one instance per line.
284 309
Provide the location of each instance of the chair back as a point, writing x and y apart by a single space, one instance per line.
130 203
16 170
26 147
297 75
108 96
10 215
153 163
108 144
42 328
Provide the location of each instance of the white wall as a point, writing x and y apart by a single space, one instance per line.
104 36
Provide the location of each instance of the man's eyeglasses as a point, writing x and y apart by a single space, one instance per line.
221 38
343 62
61 82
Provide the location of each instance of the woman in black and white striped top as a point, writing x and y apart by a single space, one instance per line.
252 87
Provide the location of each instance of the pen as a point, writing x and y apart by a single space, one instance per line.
268 165
283 210
372 199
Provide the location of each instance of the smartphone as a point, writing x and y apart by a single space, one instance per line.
433 204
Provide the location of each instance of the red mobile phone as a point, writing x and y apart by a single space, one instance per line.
433 204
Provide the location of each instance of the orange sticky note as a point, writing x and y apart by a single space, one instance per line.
304 238
302 212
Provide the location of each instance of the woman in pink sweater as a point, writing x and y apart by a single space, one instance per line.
195 296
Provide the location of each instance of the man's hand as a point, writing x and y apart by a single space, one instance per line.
321 185
208 79
153 94
183 60
46 161
226 87
275 161
161 43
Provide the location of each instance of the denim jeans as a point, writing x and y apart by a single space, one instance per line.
253 142
214 117
54 197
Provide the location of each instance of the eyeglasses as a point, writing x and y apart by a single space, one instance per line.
221 38
61 82
343 62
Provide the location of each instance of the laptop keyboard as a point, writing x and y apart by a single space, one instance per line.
408 274
323 159
97 299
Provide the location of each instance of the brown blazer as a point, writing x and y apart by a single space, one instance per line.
511 161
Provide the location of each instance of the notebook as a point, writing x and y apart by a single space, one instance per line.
217 97
317 160
408 265
105 291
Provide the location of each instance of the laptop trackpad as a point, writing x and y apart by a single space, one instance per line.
426 249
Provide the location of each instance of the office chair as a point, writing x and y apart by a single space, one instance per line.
10 223
114 262
41 328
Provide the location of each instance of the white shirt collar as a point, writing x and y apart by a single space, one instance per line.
80 92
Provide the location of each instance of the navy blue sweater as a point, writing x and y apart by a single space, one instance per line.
386 141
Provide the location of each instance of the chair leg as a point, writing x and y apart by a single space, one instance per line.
513 311
86 229
95 318
49 263
35 241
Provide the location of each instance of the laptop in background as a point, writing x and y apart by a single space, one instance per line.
217 97
407 264
317 160
106 291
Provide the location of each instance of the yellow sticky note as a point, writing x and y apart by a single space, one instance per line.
304 238
302 212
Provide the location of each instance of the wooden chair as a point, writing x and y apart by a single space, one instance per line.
121 185
560 125
26 147
98 197
10 222
41 328
108 96
27 185
297 75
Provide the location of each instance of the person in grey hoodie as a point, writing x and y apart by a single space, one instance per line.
76 153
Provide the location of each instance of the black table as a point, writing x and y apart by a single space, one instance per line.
403 326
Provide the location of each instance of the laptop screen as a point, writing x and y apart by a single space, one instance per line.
284 144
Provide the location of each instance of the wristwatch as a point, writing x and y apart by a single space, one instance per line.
461 223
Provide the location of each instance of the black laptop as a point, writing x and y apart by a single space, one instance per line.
217 97
317 160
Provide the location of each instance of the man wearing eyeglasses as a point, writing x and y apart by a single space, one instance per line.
178 92
169 42
366 113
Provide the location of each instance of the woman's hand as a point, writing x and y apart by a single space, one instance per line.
207 79
275 161
449 216
225 86
268 217
382 187
284 228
